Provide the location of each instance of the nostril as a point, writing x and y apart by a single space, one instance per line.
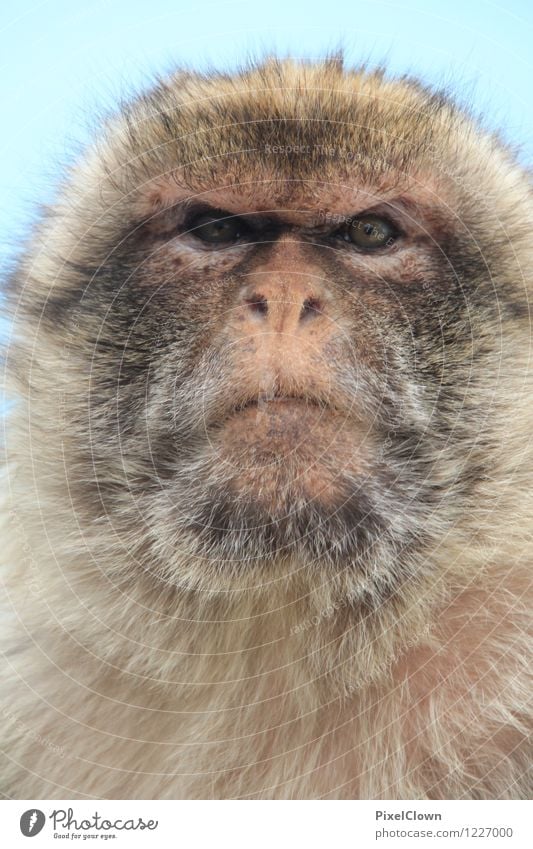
257 304
311 307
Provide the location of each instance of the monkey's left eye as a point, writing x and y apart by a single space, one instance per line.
220 229
368 232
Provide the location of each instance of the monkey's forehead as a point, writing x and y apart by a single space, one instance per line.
286 135
284 121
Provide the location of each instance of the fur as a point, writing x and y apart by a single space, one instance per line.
159 645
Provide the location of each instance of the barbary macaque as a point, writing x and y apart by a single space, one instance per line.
268 516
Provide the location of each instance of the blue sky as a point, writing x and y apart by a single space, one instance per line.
63 61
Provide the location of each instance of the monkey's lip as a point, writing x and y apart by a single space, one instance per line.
278 402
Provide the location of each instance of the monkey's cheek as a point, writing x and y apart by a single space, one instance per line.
290 450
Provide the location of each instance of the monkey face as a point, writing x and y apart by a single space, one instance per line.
281 423
286 407
284 350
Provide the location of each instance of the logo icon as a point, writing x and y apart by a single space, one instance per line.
32 822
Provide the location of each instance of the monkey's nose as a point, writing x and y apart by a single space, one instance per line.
282 313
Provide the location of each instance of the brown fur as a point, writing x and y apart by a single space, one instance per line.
146 659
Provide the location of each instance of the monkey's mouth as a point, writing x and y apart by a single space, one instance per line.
280 425
277 402
287 448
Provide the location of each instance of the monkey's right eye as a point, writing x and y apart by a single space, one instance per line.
369 232
219 229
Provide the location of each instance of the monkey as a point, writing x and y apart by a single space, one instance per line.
268 500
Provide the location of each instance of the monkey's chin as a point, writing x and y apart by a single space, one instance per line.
283 480
286 452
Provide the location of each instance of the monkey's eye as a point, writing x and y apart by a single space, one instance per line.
217 228
369 232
